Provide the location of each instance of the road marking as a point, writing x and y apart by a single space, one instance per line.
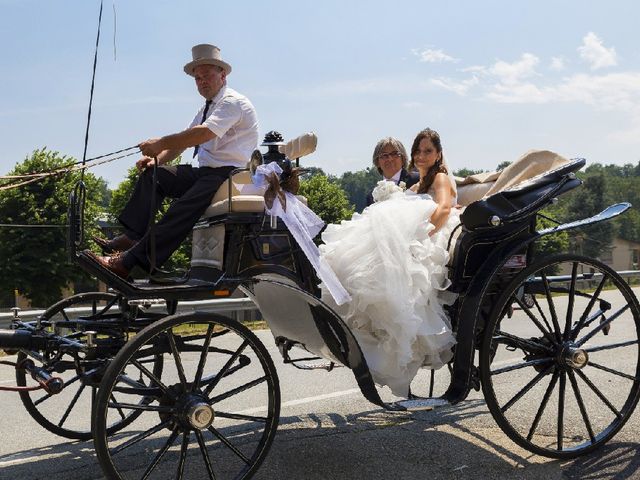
302 401
23 458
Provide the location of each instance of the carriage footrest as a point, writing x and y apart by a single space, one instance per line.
328 366
422 404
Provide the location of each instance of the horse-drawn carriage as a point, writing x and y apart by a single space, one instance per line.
552 341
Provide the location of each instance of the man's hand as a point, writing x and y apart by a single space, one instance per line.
151 147
144 163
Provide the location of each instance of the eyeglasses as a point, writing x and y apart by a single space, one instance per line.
387 156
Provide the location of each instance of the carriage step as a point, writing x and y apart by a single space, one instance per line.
422 404
328 366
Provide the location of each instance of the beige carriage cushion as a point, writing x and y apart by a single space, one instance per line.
241 180
482 185
472 192
532 163
300 146
239 203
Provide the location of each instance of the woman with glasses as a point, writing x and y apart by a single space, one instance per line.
390 159
392 260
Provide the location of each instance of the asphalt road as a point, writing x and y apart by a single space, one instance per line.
329 431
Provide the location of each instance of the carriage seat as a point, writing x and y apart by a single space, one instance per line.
245 197
483 185
517 193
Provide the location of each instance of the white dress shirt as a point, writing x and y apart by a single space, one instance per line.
232 118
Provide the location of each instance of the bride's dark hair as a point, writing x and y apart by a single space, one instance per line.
438 167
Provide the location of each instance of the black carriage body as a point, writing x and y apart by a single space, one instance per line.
255 245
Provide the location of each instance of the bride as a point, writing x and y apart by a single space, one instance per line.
392 261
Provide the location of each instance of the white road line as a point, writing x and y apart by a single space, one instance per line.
302 401
21 458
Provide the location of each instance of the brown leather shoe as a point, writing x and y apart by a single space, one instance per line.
112 263
120 243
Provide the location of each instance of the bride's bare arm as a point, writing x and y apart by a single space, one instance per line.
443 197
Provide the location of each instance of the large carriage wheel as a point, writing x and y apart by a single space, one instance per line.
561 371
68 413
215 408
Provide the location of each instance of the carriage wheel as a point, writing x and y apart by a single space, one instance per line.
562 376
214 410
68 413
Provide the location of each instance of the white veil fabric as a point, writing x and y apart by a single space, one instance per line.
304 225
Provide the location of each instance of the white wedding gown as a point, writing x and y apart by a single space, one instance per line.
396 275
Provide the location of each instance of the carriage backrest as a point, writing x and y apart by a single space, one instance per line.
482 185
505 218
523 199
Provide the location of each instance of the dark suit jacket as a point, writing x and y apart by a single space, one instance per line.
410 178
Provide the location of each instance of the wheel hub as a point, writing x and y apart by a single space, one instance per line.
574 357
200 415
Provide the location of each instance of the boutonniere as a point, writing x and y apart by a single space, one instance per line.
402 185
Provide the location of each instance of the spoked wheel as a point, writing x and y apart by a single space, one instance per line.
214 410
68 413
562 376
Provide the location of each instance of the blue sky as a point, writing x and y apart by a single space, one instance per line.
495 78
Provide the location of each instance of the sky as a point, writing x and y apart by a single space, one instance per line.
494 78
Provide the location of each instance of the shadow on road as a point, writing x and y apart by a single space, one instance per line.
452 442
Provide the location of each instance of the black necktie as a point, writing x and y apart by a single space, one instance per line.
207 104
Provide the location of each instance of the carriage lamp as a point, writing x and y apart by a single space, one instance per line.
273 140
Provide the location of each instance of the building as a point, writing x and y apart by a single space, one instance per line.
624 255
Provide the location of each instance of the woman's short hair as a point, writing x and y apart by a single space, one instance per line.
395 143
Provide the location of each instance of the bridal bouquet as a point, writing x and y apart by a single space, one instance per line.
385 189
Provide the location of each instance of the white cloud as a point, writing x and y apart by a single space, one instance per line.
458 87
616 91
595 53
512 73
557 64
517 93
431 55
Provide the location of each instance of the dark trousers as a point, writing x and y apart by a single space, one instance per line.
193 189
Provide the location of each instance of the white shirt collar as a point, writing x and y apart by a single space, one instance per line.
395 178
219 95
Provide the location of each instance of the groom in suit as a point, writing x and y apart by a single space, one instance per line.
390 158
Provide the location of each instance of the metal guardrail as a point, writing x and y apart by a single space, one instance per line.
218 305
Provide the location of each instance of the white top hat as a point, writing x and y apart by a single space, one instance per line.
205 54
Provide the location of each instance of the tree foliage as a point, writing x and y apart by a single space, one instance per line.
465 172
326 199
34 260
358 185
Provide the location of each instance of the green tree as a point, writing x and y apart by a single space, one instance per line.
35 260
358 185
326 199
553 243
586 201
120 196
465 172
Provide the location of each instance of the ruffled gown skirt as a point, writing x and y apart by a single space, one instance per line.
396 275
